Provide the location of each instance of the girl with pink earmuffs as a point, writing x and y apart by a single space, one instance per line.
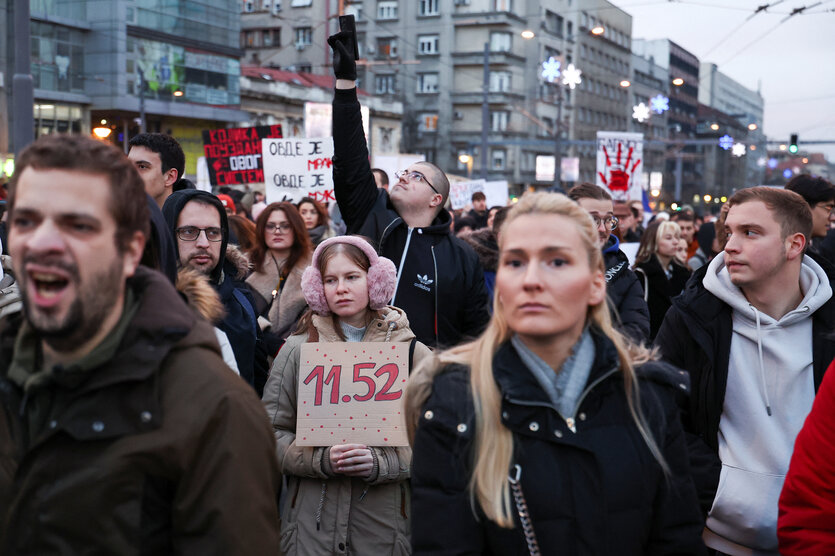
348 498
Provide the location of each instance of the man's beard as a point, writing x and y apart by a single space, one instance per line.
95 299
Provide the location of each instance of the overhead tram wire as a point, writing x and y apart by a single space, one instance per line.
760 9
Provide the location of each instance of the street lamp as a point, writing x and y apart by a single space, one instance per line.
571 77
625 83
598 30
527 34
678 81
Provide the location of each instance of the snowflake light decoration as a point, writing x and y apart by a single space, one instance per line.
640 112
659 104
726 142
739 149
551 69
761 161
571 76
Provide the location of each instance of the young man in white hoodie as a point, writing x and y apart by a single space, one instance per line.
752 329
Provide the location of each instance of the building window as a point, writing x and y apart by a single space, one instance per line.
503 5
499 81
304 36
249 39
387 46
249 6
427 44
498 120
427 83
498 159
387 10
57 58
428 7
428 122
300 3
500 42
271 37
304 68
553 23
384 84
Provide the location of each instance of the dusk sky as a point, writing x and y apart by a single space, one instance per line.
794 61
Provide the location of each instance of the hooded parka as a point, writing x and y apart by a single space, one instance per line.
595 490
326 513
160 449
625 293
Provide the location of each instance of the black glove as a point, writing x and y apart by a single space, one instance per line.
344 65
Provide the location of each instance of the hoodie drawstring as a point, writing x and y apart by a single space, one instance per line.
321 504
762 366
392 326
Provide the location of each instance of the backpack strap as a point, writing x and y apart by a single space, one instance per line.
646 281
412 353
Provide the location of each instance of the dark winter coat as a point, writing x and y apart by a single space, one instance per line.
441 283
160 450
596 491
696 336
486 247
240 323
661 291
626 294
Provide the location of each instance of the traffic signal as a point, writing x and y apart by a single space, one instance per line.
793 143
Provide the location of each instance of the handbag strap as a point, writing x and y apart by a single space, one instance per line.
522 510
646 282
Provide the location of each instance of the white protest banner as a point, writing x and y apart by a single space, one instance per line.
296 168
352 393
496 193
460 193
620 163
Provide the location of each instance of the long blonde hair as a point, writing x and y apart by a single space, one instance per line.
489 484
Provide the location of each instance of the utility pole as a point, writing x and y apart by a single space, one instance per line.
22 89
558 142
141 101
485 111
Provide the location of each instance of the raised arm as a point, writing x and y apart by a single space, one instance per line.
353 182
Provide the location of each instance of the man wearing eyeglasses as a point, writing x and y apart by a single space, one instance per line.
626 296
440 282
197 219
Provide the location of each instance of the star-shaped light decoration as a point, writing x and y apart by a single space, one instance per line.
640 112
571 76
726 142
551 69
659 104
739 149
761 161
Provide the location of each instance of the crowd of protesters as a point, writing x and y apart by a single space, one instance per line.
586 377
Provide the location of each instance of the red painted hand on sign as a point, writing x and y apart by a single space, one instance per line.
620 173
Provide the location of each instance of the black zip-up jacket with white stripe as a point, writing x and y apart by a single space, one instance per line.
440 280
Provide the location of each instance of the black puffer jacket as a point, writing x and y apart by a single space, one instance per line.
596 491
661 289
441 282
626 295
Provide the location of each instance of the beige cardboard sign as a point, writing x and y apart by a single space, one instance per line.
352 393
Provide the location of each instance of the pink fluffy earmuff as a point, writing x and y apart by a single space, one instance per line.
382 277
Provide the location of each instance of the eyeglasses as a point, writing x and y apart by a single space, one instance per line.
191 233
280 228
829 207
417 176
611 221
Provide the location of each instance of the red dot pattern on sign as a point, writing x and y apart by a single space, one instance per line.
393 347
353 428
307 414
378 430
384 418
321 426
304 438
385 439
350 417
